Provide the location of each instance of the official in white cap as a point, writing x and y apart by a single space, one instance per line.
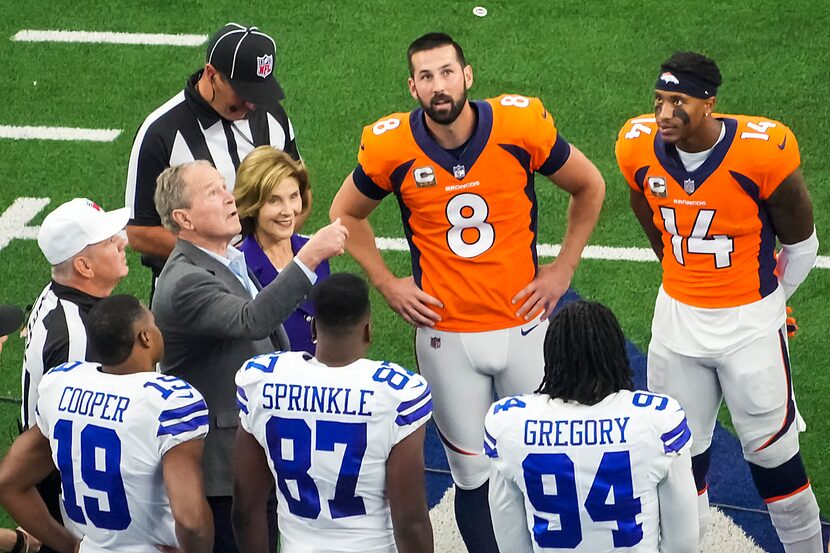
85 247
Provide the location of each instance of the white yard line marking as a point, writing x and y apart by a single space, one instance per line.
610 253
150 39
58 133
14 221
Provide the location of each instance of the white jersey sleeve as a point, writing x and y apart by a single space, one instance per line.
248 379
676 491
182 412
414 398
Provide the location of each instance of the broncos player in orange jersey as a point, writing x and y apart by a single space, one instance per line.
713 194
463 174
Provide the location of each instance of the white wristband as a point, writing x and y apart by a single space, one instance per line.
795 262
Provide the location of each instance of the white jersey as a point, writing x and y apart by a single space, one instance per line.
588 474
327 433
108 435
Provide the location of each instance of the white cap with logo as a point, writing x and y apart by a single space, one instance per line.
77 224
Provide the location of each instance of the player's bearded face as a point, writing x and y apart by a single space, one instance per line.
443 108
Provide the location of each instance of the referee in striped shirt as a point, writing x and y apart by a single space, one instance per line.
227 109
84 246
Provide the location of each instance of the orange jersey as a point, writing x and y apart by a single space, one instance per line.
718 240
469 216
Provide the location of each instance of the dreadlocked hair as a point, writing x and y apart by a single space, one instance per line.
585 357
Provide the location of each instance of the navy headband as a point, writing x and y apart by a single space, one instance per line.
686 83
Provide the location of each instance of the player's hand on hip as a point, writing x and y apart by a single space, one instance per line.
327 242
169 549
543 292
410 302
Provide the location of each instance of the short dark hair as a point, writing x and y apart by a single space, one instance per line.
431 41
585 358
340 302
695 64
110 327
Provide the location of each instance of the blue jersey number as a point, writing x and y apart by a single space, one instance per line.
643 399
175 385
394 378
105 479
293 465
613 475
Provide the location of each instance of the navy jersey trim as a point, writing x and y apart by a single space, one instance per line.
468 157
670 160
524 159
559 154
397 177
366 185
767 281
640 177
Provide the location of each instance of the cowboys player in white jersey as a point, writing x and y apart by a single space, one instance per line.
585 463
342 436
126 440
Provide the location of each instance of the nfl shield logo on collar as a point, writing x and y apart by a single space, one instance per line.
435 342
264 65
458 171
689 186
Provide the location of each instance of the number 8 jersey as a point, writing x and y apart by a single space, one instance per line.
469 216
718 241
327 433
108 434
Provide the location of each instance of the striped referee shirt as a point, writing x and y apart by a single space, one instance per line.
185 129
56 333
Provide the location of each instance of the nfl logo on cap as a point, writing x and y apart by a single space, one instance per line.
246 57
264 65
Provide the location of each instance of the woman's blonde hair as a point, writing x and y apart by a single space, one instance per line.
258 176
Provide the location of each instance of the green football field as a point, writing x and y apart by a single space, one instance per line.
343 66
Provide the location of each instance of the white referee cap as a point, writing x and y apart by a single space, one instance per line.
75 225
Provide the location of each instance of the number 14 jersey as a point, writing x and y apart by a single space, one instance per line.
108 434
718 240
469 216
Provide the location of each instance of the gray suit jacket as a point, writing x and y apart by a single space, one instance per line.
211 326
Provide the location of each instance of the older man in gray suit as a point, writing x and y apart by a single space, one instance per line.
213 313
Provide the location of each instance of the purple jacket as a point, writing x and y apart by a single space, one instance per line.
298 324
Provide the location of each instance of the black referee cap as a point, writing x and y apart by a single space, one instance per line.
11 317
245 55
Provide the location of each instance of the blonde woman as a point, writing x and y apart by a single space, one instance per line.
272 195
